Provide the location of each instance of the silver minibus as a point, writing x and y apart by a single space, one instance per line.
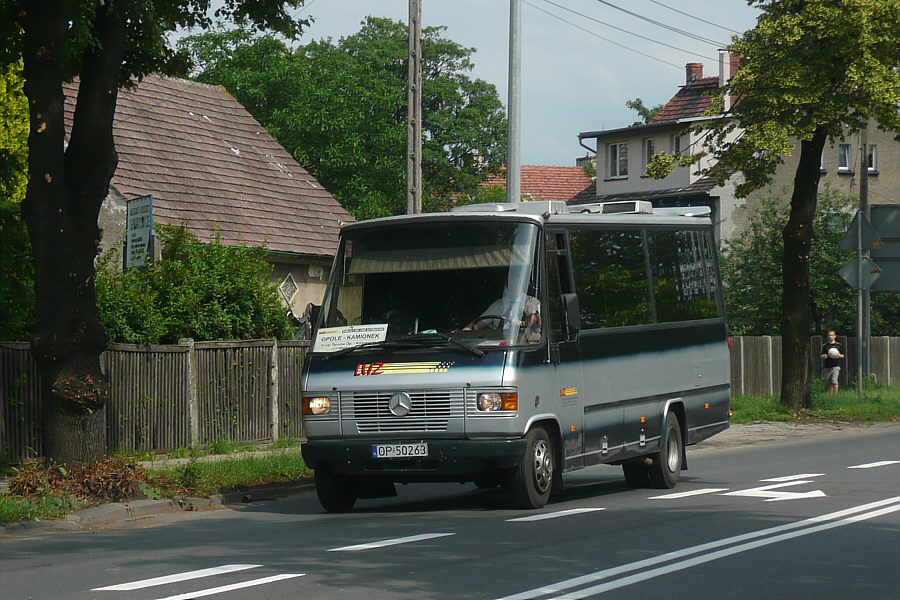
506 344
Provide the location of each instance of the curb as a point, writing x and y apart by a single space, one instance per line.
117 512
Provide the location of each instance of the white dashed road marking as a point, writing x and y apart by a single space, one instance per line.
553 515
233 586
186 576
391 542
882 463
793 477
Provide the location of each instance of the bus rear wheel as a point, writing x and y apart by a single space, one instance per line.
531 481
666 465
336 493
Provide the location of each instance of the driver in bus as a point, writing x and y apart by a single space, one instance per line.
501 309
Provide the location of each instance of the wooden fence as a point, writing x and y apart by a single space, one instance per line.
756 363
196 393
168 397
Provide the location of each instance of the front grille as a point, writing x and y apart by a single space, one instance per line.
432 411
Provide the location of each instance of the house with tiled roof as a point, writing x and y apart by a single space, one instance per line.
539 182
623 155
211 167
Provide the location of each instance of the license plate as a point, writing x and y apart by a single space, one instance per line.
399 450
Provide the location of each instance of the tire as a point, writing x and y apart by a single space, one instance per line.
637 473
531 481
336 492
666 465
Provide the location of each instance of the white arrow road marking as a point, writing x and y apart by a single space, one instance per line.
765 491
882 463
793 477
553 515
233 586
688 494
145 583
392 542
772 533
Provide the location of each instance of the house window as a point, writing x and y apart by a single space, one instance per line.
618 159
822 161
288 288
873 158
649 151
844 157
675 142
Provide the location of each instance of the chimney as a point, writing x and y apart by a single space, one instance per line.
735 63
693 71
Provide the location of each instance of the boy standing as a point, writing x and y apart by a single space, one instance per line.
832 353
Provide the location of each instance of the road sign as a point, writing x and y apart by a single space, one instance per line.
870 238
851 273
886 222
139 231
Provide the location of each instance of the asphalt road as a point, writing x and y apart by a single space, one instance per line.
810 518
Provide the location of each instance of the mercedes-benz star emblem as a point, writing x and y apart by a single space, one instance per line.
400 404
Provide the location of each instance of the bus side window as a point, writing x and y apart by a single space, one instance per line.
610 277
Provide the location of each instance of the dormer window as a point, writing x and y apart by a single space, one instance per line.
618 160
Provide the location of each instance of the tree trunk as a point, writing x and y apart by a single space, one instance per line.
62 202
797 237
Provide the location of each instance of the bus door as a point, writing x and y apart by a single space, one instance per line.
565 354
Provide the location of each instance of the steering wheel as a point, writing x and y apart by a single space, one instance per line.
499 318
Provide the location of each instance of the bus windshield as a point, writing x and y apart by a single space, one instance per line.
473 281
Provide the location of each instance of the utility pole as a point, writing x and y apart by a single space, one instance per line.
414 102
514 105
863 297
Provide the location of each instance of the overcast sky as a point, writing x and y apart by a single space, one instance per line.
572 80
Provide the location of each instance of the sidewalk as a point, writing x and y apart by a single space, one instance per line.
99 516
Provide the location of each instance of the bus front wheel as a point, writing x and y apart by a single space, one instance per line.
336 492
531 481
666 465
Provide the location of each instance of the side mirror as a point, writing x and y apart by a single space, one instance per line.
571 316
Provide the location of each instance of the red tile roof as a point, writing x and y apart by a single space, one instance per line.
211 165
692 100
546 183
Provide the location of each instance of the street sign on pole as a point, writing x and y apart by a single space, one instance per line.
860 232
860 273
139 231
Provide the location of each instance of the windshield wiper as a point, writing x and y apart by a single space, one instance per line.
430 337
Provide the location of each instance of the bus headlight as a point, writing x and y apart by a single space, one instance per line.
493 401
315 405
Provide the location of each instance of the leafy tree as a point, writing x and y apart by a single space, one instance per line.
106 44
646 113
197 290
340 109
17 283
752 260
811 71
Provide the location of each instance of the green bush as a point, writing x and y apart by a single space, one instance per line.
205 291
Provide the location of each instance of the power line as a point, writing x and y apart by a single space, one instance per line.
649 39
699 38
681 12
596 35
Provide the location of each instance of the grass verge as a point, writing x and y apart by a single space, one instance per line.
202 478
41 492
878 403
